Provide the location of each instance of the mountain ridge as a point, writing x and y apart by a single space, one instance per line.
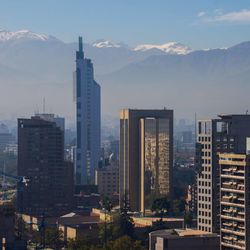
31 69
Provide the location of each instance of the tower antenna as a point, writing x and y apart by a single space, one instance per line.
195 126
44 105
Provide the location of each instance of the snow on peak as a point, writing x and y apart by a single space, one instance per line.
169 48
6 35
105 44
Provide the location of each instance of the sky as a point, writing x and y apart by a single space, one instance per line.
199 24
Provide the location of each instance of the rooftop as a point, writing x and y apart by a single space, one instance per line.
171 233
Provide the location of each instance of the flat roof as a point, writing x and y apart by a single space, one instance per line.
181 233
191 232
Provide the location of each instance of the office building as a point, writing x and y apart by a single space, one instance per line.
235 198
87 119
146 156
107 180
226 134
49 189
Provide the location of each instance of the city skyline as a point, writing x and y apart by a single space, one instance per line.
151 145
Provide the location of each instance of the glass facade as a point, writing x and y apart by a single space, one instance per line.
155 151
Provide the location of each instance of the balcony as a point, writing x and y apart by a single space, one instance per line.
233 246
232 176
234 190
234 218
235 232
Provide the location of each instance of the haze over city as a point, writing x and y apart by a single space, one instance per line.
144 38
124 125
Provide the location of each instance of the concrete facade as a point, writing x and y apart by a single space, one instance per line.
107 180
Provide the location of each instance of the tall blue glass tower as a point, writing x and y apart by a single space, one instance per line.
88 121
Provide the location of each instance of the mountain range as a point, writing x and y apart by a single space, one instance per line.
173 75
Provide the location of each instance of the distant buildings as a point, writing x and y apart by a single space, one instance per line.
146 156
226 134
234 200
6 139
88 119
41 160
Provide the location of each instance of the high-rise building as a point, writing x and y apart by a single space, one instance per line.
41 160
227 134
146 156
235 201
87 119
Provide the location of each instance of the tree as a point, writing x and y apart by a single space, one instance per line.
161 206
107 206
178 207
80 243
126 223
53 237
188 219
125 242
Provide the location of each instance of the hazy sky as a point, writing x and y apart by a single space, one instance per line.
197 23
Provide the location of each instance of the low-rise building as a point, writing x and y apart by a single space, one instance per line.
149 221
179 239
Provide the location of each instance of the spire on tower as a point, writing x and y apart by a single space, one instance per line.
80 44
80 54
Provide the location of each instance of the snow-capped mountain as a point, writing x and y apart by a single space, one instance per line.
32 67
6 35
169 48
105 44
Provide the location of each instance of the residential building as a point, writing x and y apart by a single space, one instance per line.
235 199
49 189
226 134
87 119
146 156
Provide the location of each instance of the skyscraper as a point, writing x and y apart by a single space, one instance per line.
87 119
146 156
227 134
41 161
